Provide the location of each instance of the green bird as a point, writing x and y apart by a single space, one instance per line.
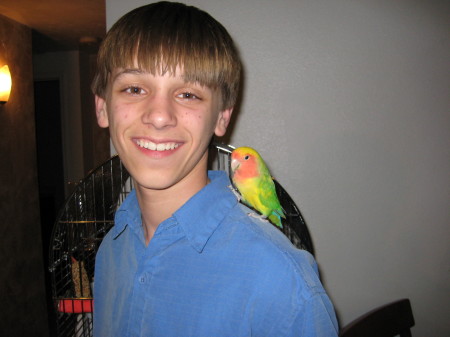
252 178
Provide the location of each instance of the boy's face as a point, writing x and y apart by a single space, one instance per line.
161 126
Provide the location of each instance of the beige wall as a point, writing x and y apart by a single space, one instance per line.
23 309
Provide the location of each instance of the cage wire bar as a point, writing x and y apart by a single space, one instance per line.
87 216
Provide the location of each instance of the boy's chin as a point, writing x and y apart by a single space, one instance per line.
155 181
178 181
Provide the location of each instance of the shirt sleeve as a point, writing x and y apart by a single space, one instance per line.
295 306
312 312
316 318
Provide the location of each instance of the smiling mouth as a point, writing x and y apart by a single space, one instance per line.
157 147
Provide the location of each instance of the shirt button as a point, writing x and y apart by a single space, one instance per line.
142 279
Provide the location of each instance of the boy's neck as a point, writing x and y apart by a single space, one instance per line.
159 205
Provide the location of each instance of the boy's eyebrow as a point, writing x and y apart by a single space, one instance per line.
134 71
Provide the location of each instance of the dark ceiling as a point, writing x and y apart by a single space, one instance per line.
59 24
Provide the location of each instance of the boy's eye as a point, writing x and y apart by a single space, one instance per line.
134 90
188 96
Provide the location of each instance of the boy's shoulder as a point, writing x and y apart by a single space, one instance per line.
265 241
267 257
260 229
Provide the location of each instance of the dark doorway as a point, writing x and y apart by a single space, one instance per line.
50 169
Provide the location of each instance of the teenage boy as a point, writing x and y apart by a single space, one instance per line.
184 258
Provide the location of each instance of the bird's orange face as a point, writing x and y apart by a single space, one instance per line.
244 163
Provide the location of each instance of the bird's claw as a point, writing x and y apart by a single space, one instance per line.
257 216
236 193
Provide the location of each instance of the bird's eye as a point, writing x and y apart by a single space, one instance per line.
246 157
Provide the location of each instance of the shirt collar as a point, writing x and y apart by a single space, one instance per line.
199 217
128 214
202 214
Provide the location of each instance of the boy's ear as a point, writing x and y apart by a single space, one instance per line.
100 110
222 122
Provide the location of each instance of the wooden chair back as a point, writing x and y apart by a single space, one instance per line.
393 319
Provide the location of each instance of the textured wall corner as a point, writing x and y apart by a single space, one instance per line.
23 311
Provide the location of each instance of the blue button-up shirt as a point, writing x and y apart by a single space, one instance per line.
210 270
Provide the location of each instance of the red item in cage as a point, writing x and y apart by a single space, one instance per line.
75 305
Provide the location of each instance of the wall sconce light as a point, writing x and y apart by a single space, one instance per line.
5 84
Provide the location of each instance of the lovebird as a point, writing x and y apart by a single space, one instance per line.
252 178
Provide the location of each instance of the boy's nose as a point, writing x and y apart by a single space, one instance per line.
159 113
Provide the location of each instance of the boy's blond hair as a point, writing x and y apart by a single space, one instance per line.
162 36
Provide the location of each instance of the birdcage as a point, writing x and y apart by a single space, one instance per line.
87 216
83 221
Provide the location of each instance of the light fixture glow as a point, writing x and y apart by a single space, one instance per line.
5 84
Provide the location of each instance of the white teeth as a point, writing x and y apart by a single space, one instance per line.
150 146
158 147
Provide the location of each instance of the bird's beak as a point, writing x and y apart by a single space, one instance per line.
234 164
